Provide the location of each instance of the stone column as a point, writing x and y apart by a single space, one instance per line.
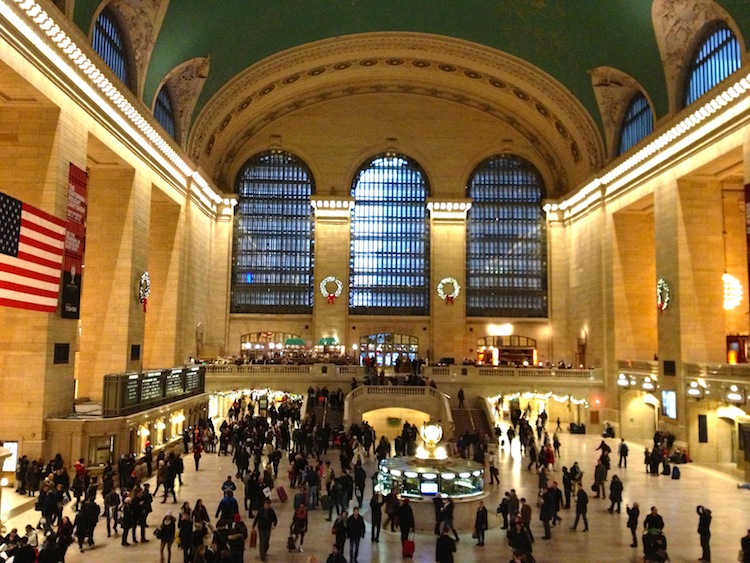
112 318
448 261
331 314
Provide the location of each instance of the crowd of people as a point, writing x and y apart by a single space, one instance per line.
245 517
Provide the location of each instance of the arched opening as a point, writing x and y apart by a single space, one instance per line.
390 421
638 415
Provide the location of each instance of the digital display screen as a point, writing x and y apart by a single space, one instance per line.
428 488
131 391
192 380
151 387
669 404
174 384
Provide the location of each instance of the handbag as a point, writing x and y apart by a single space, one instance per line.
741 556
595 488
157 533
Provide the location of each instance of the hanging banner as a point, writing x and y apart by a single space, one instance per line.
747 226
75 240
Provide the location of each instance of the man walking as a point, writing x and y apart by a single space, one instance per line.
582 502
265 521
704 531
355 529
622 451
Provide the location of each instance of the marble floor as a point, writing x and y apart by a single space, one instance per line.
607 540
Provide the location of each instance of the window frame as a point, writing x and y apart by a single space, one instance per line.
632 124
127 75
169 94
698 60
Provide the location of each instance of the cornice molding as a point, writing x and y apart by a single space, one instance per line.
408 63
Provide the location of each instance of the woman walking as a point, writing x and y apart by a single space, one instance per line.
167 534
185 524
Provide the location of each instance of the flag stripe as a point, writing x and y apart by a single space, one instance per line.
42 273
32 223
42 249
39 260
24 296
47 285
50 293
28 306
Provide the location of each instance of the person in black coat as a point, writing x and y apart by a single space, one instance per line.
634 513
168 531
445 547
376 516
704 531
480 523
519 538
745 542
615 493
405 520
582 508
355 530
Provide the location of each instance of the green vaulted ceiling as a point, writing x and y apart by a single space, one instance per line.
565 38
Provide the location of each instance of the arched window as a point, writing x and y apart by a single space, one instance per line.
273 236
506 240
108 42
389 255
637 125
164 111
717 57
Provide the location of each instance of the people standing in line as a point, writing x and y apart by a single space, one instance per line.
622 452
376 516
265 521
481 523
582 505
445 547
704 531
634 513
615 493
168 529
355 530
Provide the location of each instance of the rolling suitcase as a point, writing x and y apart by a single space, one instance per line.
282 494
407 549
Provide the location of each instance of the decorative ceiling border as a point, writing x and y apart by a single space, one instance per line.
492 72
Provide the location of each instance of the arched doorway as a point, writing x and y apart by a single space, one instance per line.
388 349
638 415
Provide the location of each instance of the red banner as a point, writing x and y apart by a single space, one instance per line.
75 242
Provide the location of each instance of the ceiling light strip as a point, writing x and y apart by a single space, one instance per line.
49 28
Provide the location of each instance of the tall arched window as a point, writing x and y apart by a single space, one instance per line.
506 240
717 57
638 123
273 236
164 111
108 42
389 255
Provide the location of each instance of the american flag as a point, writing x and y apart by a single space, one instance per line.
31 255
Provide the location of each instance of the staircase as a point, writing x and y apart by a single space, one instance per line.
471 420
333 418
461 421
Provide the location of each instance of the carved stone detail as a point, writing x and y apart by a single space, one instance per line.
678 24
404 62
186 82
143 19
613 90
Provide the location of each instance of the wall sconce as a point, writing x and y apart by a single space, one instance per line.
694 390
648 385
735 394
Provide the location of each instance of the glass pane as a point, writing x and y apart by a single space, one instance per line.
273 238
108 42
638 123
715 59
389 254
506 240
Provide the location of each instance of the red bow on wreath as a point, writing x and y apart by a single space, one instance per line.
331 298
449 299
144 301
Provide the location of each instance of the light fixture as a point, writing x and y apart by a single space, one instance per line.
732 292
622 380
410 474
648 384
448 476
